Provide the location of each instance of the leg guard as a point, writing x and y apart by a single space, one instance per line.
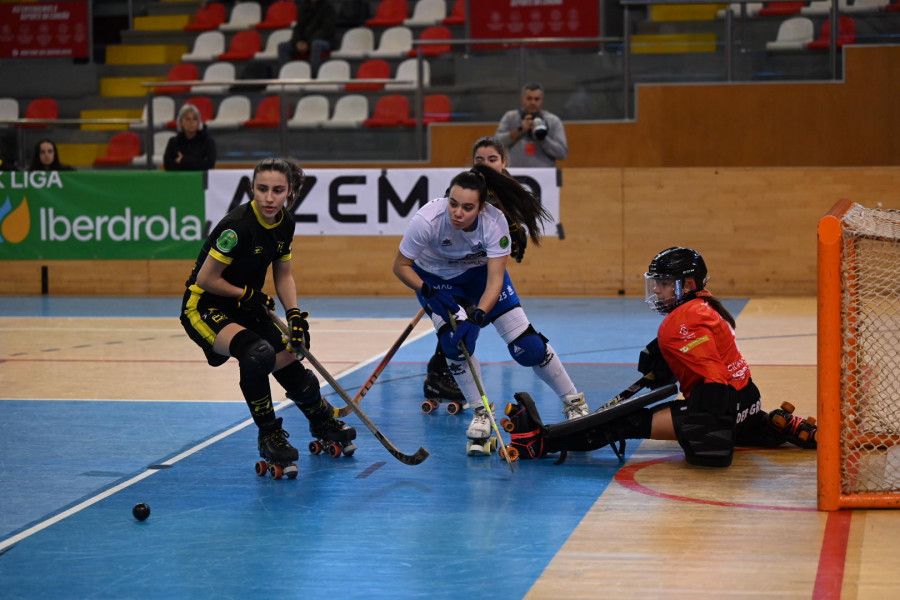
611 425
256 358
302 388
529 349
706 424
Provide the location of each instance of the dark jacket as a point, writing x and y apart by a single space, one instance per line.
315 21
199 153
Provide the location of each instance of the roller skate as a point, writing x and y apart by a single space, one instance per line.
574 406
479 433
278 454
523 422
440 386
332 435
798 431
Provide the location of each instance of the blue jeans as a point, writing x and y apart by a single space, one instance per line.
317 49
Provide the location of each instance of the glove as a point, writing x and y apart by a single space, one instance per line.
654 367
518 241
439 301
478 317
299 327
466 333
256 303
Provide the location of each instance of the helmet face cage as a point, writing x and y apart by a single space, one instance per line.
662 293
672 267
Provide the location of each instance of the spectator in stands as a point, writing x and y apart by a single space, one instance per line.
192 149
314 33
533 137
46 158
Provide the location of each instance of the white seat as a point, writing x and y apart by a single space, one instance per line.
207 47
395 42
407 71
9 109
160 140
355 43
821 9
270 52
349 112
752 9
427 12
243 16
218 71
233 112
793 34
311 111
335 69
295 69
163 112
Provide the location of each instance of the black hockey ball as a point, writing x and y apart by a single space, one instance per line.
140 511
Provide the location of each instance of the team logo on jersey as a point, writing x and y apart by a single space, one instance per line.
227 241
257 250
447 242
504 242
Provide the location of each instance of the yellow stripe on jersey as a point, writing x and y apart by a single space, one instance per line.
691 345
193 315
220 257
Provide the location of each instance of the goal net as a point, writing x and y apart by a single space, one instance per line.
859 358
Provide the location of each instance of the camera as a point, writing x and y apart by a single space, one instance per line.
539 128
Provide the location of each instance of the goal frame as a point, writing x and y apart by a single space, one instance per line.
829 349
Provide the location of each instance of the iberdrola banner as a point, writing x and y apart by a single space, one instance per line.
58 215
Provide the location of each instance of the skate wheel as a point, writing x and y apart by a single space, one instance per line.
334 449
787 407
510 407
454 408
315 447
811 421
349 452
261 468
276 471
510 454
428 406
291 471
507 425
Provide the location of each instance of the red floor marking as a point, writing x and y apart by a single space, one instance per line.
830 577
626 478
832 556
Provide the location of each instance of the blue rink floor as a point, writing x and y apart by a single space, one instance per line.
360 527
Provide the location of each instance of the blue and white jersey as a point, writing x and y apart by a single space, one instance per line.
435 246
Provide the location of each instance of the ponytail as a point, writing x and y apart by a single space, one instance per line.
517 203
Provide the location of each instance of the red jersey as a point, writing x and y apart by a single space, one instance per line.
699 346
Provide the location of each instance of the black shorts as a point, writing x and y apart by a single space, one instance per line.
203 316
753 428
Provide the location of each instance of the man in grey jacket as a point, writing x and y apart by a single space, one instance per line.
533 137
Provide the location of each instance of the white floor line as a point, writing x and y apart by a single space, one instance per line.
145 474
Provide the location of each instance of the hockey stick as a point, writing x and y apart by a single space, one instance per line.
346 410
420 455
484 400
628 392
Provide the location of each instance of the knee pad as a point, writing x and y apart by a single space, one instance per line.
255 355
529 349
706 425
299 383
450 351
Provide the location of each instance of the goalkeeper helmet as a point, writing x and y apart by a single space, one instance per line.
665 279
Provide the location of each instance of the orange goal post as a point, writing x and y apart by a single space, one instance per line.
858 358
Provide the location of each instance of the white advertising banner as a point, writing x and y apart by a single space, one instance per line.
366 201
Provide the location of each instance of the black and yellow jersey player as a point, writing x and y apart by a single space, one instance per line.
226 313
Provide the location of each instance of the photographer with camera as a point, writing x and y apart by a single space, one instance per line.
534 137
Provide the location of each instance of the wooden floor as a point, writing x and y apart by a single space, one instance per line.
660 529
